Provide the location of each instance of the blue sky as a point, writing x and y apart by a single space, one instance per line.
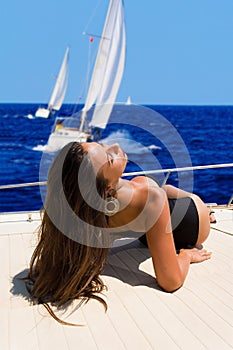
178 52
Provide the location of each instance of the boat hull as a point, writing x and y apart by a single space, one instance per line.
42 113
59 138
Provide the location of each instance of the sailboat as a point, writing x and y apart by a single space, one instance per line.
59 90
128 102
103 87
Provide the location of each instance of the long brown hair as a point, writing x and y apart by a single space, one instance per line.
72 246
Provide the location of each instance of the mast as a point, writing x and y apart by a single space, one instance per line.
109 67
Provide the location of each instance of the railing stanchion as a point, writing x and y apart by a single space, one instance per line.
166 178
230 201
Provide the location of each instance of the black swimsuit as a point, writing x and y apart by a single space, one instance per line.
184 219
185 222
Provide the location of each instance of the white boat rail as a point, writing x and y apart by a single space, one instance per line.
144 172
25 184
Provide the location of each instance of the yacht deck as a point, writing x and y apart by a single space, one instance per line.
140 316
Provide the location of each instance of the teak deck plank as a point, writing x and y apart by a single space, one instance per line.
140 315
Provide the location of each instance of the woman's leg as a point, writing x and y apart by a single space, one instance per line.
204 219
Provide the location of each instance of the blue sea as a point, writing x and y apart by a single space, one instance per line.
154 137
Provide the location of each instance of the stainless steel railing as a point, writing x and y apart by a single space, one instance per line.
145 172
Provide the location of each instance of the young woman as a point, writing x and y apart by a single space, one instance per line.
88 204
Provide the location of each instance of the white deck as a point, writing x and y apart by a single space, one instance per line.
140 316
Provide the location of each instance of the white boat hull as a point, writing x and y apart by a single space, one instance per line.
42 113
59 138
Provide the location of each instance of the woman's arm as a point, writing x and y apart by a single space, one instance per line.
170 269
174 192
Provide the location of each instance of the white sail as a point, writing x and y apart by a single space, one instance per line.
59 90
109 66
104 84
128 102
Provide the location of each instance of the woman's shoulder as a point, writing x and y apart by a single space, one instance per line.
139 191
138 200
146 190
145 181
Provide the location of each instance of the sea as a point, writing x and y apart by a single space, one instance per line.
155 137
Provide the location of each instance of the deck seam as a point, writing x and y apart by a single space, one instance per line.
211 327
129 313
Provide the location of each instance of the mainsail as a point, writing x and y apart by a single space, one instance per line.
109 67
104 84
59 90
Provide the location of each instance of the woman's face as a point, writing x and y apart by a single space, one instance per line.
110 159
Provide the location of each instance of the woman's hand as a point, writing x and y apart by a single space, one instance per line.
197 255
